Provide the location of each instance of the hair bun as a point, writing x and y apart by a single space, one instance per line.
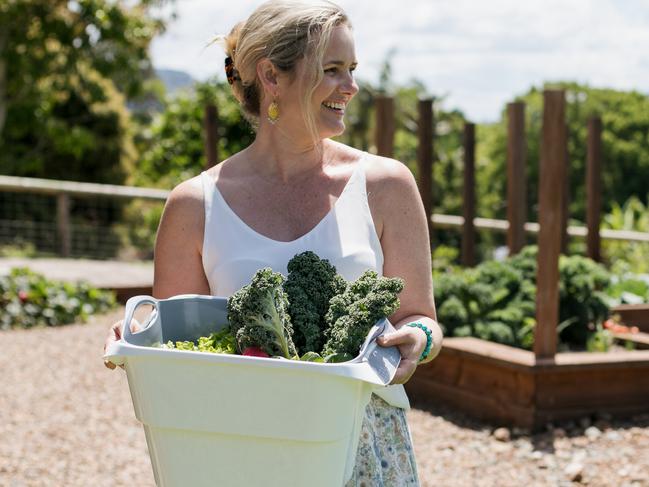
232 39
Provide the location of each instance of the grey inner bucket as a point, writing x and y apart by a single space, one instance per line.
177 319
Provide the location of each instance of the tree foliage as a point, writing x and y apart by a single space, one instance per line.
625 138
173 148
66 71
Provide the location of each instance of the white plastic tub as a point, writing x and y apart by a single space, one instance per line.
228 420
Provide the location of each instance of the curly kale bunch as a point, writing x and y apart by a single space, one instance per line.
258 315
310 285
352 313
314 308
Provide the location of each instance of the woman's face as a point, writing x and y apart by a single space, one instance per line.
332 94
338 86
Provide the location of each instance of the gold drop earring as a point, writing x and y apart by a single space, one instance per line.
273 112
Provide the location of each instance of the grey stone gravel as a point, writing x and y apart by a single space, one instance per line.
66 420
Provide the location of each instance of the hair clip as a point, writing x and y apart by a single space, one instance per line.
230 72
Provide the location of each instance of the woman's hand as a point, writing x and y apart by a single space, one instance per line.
114 335
411 342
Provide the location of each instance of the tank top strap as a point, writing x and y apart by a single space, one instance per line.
208 194
356 203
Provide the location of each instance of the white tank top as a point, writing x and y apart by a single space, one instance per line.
346 236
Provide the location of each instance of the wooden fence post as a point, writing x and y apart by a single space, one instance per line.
594 186
425 134
384 135
468 229
552 173
211 135
63 224
516 179
566 200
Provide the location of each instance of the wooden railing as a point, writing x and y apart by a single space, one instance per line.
63 190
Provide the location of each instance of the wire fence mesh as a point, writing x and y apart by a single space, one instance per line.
96 227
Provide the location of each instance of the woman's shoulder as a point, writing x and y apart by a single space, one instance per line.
188 192
379 170
387 177
385 169
184 205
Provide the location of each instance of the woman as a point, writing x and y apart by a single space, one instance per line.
294 189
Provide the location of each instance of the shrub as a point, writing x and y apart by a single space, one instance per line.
28 299
496 300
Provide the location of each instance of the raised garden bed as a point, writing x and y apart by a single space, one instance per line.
510 386
634 315
523 388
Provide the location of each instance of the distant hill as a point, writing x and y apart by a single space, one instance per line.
174 80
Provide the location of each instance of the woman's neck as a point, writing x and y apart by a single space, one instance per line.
273 155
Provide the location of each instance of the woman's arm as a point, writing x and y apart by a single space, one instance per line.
178 266
406 251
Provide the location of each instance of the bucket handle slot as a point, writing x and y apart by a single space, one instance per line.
131 306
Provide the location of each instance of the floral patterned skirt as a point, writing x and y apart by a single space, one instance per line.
385 456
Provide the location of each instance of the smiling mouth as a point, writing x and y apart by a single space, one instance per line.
335 107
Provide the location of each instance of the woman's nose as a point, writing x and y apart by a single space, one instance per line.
349 86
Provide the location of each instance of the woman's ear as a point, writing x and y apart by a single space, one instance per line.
267 74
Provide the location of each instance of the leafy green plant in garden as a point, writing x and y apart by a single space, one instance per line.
445 258
28 299
582 297
633 215
487 302
628 288
496 300
599 341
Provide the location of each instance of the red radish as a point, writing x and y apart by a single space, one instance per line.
254 352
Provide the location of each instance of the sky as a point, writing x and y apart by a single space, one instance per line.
475 55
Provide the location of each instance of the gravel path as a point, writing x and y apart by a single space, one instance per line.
65 420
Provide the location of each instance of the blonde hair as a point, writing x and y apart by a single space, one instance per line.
284 31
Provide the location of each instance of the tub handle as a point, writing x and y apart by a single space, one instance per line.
131 305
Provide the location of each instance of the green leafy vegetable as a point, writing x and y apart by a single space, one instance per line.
310 285
258 315
222 341
352 314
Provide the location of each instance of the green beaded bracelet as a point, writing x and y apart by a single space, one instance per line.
429 339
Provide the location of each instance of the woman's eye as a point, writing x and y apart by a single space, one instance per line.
335 70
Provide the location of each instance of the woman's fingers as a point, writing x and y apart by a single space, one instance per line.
410 344
404 372
114 335
411 341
